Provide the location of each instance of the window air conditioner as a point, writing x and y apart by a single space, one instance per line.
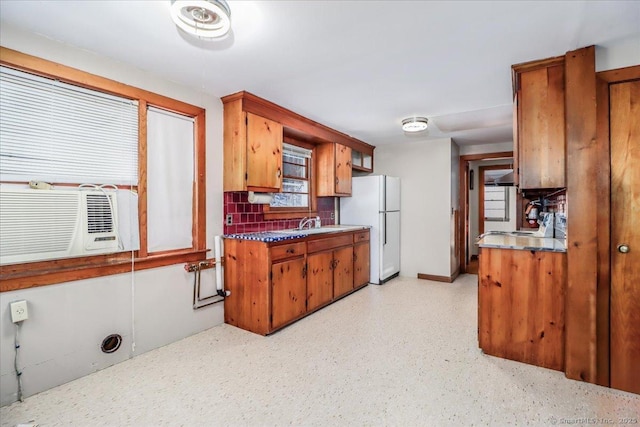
38 225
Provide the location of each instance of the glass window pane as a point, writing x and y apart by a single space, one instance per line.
295 170
294 159
294 186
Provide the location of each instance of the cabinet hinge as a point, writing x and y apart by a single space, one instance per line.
246 176
246 120
271 276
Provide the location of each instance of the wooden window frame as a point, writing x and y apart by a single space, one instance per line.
27 275
293 213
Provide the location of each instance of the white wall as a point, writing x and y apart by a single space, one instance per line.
619 53
67 322
424 168
466 150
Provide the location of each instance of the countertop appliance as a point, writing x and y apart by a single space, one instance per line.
375 201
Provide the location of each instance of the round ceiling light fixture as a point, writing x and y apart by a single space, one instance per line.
414 124
205 19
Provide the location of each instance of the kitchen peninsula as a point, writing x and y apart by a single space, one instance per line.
521 298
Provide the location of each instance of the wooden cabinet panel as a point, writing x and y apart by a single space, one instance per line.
329 243
264 153
246 276
343 169
333 173
287 251
361 264
521 305
288 291
319 279
343 271
541 132
274 284
252 151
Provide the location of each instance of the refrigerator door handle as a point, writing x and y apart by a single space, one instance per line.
385 228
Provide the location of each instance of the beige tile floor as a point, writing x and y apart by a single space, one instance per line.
401 354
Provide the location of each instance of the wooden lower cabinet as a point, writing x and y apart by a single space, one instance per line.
521 305
288 291
319 279
342 271
275 284
361 263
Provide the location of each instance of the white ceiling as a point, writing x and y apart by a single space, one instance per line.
359 67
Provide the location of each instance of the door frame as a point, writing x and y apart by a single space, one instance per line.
481 170
463 226
603 212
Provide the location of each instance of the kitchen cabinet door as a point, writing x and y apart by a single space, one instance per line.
288 291
541 128
361 264
342 271
264 154
333 170
319 279
343 169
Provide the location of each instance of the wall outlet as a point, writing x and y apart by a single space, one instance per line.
229 219
19 311
333 215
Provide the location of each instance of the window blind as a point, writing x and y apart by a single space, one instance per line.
57 132
170 180
295 151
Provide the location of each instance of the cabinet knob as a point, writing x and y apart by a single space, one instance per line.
623 249
278 173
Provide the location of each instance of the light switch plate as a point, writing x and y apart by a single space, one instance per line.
19 311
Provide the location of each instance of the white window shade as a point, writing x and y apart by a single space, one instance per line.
170 180
295 151
56 132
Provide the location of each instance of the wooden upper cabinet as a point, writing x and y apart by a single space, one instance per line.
252 151
264 153
540 132
334 170
254 131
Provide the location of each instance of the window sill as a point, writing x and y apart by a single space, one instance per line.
23 276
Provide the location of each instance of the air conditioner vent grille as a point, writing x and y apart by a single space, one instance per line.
99 216
37 222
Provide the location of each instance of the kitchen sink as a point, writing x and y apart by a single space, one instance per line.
321 230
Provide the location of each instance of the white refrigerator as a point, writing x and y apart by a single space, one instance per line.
375 201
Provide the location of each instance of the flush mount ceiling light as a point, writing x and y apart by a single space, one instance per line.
205 19
414 124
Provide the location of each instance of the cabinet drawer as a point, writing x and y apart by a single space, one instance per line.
362 236
330 243
287 251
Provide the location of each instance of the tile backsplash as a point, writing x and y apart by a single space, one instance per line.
247 217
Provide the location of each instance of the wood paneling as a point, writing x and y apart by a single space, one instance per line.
333 172
234 147
361 264
342 271
274 284
521 306
541 132
288 291
296 125
319 279
329 243
264 153
287 251
625 223
582 192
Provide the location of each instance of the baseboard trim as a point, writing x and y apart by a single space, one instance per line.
445 279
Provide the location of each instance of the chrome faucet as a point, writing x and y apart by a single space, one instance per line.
305 221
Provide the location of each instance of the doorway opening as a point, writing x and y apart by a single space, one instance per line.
467 178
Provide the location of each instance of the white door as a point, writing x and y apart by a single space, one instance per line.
390 242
